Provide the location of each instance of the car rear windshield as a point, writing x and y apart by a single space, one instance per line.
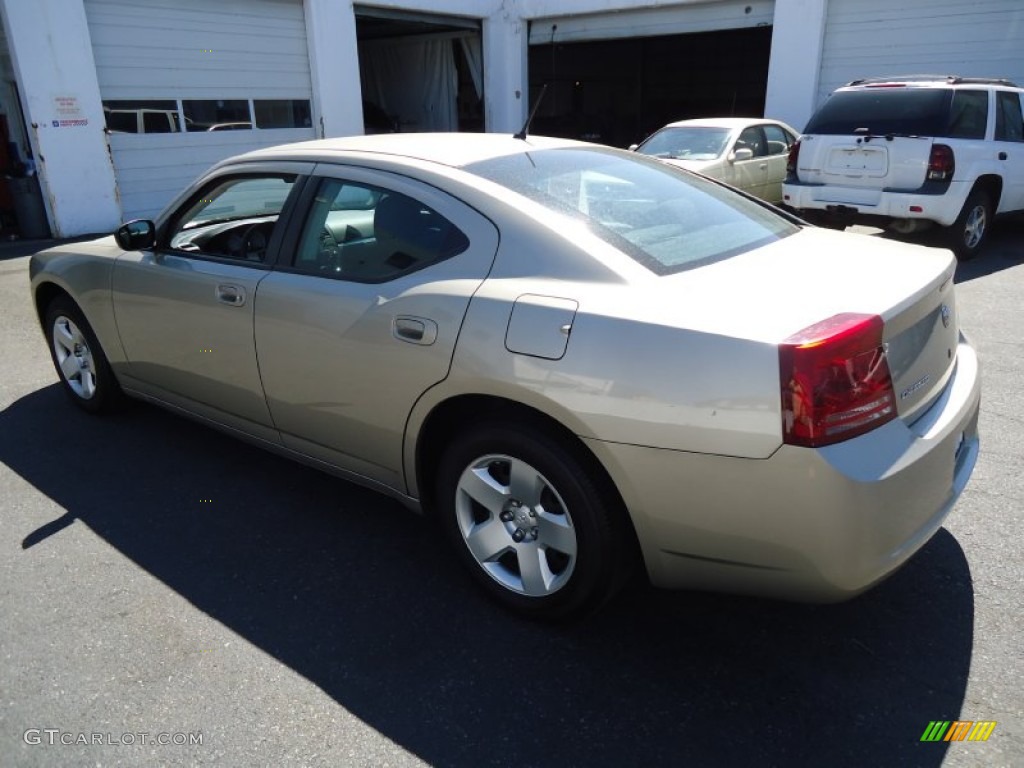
665 218
882 111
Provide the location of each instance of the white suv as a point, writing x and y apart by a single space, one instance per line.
905 152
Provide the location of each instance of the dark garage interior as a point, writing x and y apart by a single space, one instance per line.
419 72
619 91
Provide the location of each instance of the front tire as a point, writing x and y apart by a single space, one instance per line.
81 365
968 232
526 514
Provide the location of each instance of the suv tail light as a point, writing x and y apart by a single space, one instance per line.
794 155
941 163
835 381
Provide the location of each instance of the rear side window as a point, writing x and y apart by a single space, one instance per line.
968 115
366 234
1009 126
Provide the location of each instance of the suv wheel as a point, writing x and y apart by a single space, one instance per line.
970 228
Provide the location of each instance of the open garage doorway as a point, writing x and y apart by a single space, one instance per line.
619 91
21 203
419 72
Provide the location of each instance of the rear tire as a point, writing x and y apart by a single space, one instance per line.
968 232
78 358
538 531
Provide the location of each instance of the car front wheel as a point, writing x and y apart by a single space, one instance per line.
541 534
970 228
83 368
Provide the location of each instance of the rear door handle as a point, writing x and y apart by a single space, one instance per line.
233 295
415 330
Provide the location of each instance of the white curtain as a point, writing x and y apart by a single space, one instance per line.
413 80
473 49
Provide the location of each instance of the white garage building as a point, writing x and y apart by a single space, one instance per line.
114 105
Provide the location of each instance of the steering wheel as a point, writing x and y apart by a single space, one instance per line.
255 240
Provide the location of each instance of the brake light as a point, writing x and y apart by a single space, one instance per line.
794 155
835 381
941 163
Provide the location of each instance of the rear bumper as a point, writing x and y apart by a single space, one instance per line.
818 525
868 206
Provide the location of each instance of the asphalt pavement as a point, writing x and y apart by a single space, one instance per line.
161 582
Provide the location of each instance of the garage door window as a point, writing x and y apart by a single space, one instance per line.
141 116
216 114
282 113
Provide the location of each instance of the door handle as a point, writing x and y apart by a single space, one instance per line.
415 330
1002 155
233 295
763 166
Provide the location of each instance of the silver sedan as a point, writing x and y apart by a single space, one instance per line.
579 360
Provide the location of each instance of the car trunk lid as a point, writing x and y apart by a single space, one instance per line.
776 291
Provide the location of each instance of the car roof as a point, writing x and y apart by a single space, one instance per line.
453 149
723 122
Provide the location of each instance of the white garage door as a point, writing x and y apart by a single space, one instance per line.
186 83
649 22
876 38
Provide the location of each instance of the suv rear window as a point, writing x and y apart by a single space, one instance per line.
903 112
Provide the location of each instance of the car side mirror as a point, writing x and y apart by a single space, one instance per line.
633 147
743 153
137 235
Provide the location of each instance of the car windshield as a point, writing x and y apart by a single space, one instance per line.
883 111
665 218
686 143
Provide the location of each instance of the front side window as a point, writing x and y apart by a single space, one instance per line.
233 218
666 219
367 234
752 139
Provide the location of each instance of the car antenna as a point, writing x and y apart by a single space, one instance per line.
536 104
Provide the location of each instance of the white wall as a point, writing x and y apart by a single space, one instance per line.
52 58
333 56
795 62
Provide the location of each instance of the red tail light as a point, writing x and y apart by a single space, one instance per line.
835 381
794 155
941 163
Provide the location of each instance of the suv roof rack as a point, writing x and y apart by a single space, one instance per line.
951 79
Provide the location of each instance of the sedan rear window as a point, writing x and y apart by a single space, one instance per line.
665 218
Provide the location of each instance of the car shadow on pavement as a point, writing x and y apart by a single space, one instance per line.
1004 248
354 593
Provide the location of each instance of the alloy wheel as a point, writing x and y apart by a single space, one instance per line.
74 358
516 525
